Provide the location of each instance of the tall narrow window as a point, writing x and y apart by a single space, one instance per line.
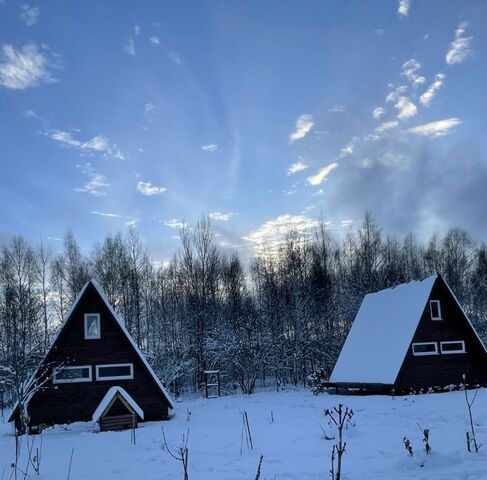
92 326
435 310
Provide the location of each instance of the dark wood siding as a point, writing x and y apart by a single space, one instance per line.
443 369
70 402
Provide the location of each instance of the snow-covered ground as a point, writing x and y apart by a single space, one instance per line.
293 444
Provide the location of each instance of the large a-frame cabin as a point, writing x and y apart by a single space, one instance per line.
411 338
95 372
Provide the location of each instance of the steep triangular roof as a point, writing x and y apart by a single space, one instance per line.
381 334
118 321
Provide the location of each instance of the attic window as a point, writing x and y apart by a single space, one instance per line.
92 326
117 371
457 346
72 374
435 310
426 348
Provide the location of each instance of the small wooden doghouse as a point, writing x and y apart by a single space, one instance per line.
117 411
410 338
94 367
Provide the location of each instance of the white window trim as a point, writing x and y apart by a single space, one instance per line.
90 337
72 380
439 310
448 352
118 377
422 354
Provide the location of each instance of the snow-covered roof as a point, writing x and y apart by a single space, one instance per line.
381 334
112 391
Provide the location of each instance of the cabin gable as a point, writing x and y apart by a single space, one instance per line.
109 356
434 358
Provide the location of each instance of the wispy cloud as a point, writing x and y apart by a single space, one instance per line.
155 40
383 127
403 8
409 70
105 214
97 145
212 147
322 174
436 129
147 189
296 167
97 183
428 96
173 223
405 108
304 124
137 30
221 216
129 47
28 67
176 58
460 47
30 15
149 108
378 112
270 235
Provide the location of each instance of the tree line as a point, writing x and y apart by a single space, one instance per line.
271 322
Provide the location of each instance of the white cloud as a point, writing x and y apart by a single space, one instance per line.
175 58
347 150
147 189
405 108
155 40
212 147
322 174
30 15
409 70
129 48
460 47
28 67
378 112
173 223
110 215
337 109
428 96
304 124
403 8
296 167
386 126
99 144
136 30
97 183
272 233
436 129
221 216
346 223
149 108
396 92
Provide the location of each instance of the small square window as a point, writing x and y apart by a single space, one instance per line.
92 326
456 346
435 310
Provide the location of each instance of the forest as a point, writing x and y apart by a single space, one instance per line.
270 322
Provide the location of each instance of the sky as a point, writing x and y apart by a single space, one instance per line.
264 115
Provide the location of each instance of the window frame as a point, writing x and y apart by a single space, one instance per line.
453 352
91 337
117 377
438 303
423 354
72 380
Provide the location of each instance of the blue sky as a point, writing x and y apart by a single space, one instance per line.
263 114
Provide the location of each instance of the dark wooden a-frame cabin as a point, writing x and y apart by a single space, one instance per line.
95 372
414 337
